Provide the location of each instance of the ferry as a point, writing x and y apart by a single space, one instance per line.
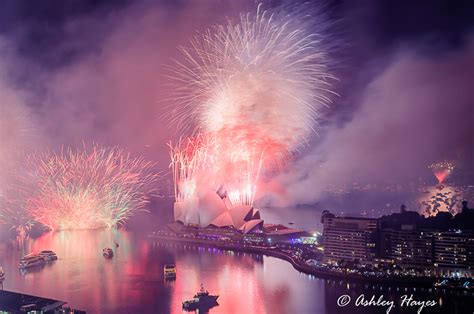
169 271
2 274
48 255
201 300
30 260
108 253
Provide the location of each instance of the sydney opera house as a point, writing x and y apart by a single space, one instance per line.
214 210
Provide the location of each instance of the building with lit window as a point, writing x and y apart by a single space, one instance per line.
349 239
453 252
400 240
407 246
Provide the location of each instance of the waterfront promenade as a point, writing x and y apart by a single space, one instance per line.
291 256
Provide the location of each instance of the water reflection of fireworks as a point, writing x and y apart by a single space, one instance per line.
443 198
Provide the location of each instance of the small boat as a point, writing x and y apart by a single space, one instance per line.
201 300
108 253
30 260
169 271
442 283
48 255
2 274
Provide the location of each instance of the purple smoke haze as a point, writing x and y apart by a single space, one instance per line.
419 109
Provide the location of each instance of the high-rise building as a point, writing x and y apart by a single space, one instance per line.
403 239
407 246
349 238
453 252
470 251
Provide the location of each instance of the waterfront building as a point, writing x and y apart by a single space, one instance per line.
407 246
404 239
349 239
212 210
453 253
470 251
279 233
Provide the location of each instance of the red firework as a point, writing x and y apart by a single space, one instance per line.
442 170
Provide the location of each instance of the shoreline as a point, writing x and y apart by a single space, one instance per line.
301 266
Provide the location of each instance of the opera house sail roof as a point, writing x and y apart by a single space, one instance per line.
212 210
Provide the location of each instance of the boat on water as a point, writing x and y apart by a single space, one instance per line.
2 274
467 285
30 260
48 255
442 283
169 271
201 300
107 252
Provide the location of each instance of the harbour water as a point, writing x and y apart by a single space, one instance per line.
132 281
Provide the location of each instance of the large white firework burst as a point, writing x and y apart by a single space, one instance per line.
266 74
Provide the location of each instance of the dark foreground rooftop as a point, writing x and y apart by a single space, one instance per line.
13 302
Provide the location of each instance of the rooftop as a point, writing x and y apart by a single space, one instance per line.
17 302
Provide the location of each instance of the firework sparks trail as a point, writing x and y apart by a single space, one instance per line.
192 161
442 170
77 189
242 160
227 162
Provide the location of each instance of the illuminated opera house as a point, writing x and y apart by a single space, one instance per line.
213 210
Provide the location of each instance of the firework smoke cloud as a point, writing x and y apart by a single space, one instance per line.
16 130
17 134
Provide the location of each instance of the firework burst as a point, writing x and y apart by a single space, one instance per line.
256 87
442 170
227 162
77 189
242 160
192 159
266 75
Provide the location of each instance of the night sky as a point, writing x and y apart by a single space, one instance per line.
96 71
